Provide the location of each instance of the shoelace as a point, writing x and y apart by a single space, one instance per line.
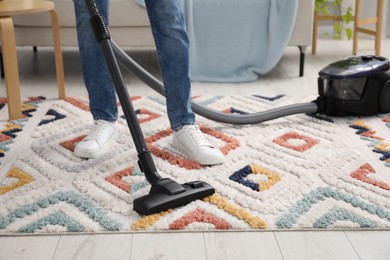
197 136
98 131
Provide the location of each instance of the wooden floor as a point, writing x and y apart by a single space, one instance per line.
37 76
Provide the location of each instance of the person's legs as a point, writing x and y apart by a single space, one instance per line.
168 27
102 97
101 93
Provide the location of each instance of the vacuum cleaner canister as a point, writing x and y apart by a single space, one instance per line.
357 86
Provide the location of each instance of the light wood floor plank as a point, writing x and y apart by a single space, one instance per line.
327 245
188 246
371 245
28 247
242 245
96 247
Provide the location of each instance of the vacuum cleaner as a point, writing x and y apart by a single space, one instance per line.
165 193
356 86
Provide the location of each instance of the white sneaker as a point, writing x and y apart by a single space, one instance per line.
190 140
96 142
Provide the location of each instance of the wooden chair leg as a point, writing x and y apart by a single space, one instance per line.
58 54
360 26
12 83
356 27
378 34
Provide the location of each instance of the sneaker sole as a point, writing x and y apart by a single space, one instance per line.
206 162
88 154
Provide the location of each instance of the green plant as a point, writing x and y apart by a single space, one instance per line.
346 13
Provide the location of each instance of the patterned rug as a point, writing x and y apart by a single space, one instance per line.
292 173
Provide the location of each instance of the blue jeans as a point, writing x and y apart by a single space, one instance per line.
168 28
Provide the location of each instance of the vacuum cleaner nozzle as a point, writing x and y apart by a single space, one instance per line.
157 201
357 86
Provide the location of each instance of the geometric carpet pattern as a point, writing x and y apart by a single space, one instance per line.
292 173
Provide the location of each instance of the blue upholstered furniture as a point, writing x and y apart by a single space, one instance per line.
238 41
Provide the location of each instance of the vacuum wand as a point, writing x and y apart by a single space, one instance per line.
164 193
103 37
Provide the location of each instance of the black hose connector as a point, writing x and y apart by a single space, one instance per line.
321 104
99 27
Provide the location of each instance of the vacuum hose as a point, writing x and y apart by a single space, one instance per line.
215 115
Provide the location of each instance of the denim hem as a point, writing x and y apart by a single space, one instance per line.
177 127
111 120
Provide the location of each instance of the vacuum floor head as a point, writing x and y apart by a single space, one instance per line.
356 86
161 200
